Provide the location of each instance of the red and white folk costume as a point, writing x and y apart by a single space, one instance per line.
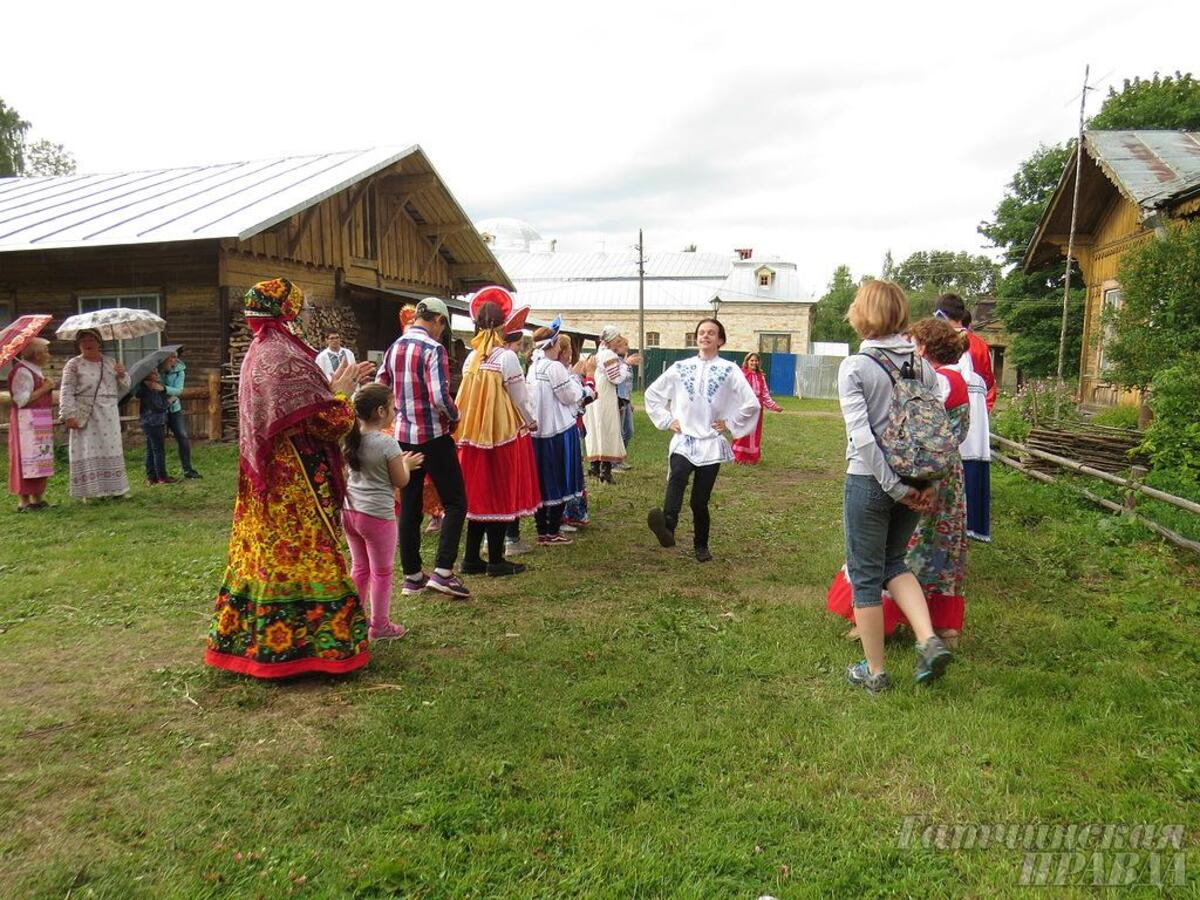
495 448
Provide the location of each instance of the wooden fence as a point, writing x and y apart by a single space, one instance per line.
1132 486
201 409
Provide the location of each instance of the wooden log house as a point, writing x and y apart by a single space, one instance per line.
1133 185
362 232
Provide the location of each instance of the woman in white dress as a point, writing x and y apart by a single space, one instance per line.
602 419
698 399
92 383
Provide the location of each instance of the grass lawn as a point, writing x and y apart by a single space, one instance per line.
617 722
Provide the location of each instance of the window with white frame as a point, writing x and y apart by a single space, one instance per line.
689 339
1110 306
128 351
652 338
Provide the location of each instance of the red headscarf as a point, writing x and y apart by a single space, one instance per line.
280 384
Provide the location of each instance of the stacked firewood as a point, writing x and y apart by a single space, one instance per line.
316 323
1106 449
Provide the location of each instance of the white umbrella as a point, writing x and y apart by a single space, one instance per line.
119 324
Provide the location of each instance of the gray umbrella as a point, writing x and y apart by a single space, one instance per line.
147 364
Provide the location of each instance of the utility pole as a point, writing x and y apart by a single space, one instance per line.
641 348
1062 335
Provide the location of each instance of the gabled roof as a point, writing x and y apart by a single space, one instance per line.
228 200
1151 169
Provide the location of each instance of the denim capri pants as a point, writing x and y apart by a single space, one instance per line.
877 532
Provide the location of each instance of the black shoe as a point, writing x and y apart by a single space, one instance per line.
702 555
502 569
657 521
192 474
470 567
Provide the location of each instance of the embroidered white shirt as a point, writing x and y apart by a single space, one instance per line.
699 392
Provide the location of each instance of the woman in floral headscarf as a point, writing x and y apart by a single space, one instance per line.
287 605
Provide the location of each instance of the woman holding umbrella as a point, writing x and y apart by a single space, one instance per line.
92 383
30 421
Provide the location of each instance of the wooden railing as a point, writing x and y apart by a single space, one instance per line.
201 408
1133 487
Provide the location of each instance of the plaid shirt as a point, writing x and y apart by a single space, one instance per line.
417 369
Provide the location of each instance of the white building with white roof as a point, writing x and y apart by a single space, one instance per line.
758 299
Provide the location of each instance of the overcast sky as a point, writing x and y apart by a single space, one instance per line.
821 133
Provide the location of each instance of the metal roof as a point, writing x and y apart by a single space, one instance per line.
230 200
569 266
1150 167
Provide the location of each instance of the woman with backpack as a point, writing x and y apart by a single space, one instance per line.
881 509
937 551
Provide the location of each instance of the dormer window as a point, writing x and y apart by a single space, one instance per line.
766 278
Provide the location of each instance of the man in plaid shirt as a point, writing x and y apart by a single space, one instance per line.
417 369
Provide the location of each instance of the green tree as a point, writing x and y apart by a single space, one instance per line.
1165 102
1030 303
46 158
829 314
927 274
12 141
1158 321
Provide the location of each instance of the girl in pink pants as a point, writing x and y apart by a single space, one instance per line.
377 468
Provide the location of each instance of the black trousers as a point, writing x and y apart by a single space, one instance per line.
156 454
706 476
549 519
441 465
476 532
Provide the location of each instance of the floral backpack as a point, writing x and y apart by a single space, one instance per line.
917 442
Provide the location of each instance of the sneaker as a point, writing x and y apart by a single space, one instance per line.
192 473
658 524
569 528
414 585
553 540
516 548
859 675
504 569
434 526
473 568
622 467
448 584
390 631
933 657
702 555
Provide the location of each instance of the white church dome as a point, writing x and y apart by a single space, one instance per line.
508 234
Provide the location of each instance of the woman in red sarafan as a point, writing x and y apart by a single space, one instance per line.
937 551
749 449
286 605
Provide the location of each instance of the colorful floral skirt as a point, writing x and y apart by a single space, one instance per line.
501 481
287 605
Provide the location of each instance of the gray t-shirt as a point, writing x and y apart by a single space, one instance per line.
369 489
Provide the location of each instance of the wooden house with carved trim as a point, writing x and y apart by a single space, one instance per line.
363 233
1132 186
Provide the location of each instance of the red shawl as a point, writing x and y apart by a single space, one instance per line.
280 386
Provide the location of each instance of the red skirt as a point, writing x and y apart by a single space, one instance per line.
501 482
944 611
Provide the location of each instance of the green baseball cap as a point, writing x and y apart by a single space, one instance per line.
433 305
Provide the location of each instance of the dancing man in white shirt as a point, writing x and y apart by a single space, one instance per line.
698 399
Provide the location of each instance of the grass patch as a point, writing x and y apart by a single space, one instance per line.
617 722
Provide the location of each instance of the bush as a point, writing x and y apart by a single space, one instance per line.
1047 403
1008 422
1173 438
1117 417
